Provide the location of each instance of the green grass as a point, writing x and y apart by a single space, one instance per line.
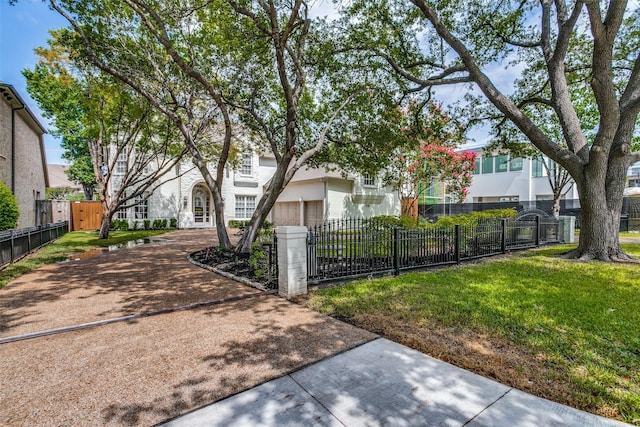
620 234
69 244
584 318
630 234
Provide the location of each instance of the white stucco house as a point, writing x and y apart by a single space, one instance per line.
313 195
316 195
501 178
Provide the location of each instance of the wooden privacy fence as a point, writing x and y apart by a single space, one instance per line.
86 215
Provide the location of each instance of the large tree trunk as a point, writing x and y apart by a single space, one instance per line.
221 228
556 207
88 191
106 222
600 222
268 199
218 204
409 207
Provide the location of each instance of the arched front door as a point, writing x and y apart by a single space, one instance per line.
201 205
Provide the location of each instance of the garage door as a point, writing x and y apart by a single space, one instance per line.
286 213
313 213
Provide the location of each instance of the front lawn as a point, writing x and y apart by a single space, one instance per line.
67 245
560 329
630 234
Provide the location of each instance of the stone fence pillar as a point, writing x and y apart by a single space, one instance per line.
567 228
292 261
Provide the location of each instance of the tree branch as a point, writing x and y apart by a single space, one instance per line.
318 146
563 156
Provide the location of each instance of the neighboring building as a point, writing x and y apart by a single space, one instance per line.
500 178
313 195
23 167
59 179
60 187
633 175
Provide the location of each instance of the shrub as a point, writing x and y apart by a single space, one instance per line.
259 260
385 221
9 211
174 223
406 222
238 223
135 225
474 218
147 224
264 233
114 224
157 224
119 224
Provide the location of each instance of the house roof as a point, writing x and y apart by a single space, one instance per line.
58 178
13 98
15 101
309 174
305 174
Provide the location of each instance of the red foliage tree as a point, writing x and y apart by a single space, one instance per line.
429 156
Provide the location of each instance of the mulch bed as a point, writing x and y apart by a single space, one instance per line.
254 268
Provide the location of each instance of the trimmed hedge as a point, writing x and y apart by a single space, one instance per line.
406 222
157 224
474 218
471 219
242 224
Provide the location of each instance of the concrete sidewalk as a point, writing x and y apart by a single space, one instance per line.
382 383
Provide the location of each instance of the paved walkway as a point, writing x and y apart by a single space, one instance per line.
382 383
281 363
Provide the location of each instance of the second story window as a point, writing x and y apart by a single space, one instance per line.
501 163
515 164
246 167
121 163
536 168
368 180
487 165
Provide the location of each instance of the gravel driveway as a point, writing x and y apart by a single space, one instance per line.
150 369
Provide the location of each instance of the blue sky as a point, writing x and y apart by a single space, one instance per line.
24 27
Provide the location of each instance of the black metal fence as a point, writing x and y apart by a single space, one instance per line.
568 207
354 248
271 250
630 219
15 244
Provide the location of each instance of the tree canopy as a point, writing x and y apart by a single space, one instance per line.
112 133
578 57
52 85
261 71
296 86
